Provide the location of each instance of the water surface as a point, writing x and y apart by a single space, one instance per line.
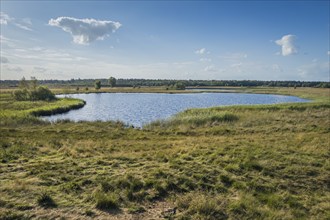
138 109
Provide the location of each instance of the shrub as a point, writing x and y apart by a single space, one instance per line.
41 93
21 95
97 84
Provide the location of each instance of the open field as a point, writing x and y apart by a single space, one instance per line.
240 162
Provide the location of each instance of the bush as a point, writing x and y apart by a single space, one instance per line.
41 93
97 85
21 95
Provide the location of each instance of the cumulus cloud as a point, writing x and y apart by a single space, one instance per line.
202 51
287 42
4 60
85 31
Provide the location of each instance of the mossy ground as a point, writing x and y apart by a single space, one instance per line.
241 162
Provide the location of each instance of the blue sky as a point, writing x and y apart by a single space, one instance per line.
256 40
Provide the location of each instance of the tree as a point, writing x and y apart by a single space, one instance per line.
34 82
112 81
23 84
179 86
97 85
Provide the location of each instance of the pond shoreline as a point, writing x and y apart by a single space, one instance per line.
58 110
139 109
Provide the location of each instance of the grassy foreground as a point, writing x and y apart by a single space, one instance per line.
241 162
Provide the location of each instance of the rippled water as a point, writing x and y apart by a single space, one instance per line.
141 108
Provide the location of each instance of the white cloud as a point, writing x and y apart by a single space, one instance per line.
4 18
23 27
329 52
85 31
287 42
4 60
27 21
202 51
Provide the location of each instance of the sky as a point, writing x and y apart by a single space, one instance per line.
210 40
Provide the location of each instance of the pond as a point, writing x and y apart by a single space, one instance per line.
138 109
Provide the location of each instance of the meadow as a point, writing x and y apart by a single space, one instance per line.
238 162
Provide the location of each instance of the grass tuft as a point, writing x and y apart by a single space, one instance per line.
106 201
46 201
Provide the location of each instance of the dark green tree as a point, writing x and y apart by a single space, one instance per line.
112 81
97 85
179 86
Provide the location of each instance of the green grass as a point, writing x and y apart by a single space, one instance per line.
197 118
240 162
17 112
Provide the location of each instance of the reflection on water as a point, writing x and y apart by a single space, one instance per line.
140 108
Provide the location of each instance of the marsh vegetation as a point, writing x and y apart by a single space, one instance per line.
241 162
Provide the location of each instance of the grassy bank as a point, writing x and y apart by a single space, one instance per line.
241 162
16 112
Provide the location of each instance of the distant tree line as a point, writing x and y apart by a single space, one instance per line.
112 82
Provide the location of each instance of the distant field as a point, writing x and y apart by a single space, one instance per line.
246 162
